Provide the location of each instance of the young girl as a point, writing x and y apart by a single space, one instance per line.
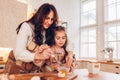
58 57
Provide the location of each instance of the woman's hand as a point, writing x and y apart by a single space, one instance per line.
42 48
41 57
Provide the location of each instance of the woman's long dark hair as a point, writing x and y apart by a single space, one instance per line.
61 28
37 21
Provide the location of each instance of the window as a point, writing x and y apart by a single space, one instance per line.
88 32
106 25
88 45
112 11
112 26
112 38
88 12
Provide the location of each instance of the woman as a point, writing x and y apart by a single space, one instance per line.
41 32
31 39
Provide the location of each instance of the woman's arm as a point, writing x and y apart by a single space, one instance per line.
20 51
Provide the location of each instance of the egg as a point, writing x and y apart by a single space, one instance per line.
11 77
62 73
35 78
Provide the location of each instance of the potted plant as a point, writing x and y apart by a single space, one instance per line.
109 51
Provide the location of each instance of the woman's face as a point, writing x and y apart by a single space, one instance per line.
48 20
60 38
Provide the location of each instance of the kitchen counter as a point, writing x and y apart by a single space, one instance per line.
81 74
96 61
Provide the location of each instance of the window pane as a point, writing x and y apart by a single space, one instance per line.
92 50
88 12
88 35
85 7
84 50
108 2
92 17
84 19
118 10
110 33
88 42
118 55
92 35
84 36
118 32
118 0
88 5
111 12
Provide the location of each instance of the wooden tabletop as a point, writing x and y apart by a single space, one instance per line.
47 75
78 74
96 61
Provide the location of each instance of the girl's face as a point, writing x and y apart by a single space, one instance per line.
48 20
60 38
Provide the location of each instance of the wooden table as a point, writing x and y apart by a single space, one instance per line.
79 74
47 75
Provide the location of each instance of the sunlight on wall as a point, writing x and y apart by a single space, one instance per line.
30 11
23 1
4 52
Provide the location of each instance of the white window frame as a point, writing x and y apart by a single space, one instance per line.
86 27
100 25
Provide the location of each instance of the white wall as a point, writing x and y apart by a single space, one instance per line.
12 13
68 10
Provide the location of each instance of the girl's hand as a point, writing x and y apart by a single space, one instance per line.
71 69
56 66
69 59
